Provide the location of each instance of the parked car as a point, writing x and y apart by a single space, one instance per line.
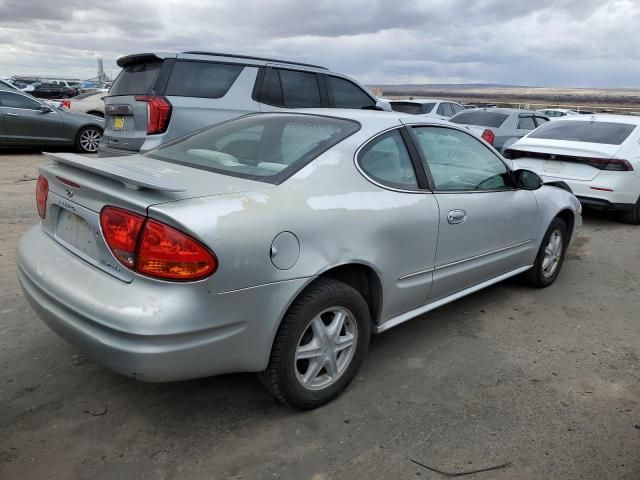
28 122
158 97
8 86
554 113
65 83
247 246
91 103
441 109
499 127
53 90
597 156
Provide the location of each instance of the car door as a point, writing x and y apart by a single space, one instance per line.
486 227
26 124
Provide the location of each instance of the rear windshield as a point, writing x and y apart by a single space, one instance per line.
480 118
136 79
411 107
265 147
609 133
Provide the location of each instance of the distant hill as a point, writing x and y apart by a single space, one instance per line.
448 86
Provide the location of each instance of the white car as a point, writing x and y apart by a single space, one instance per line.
598 156
91 103
555 113
430 107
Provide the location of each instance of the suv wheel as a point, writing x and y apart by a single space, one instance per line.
550 256
319 346
88 139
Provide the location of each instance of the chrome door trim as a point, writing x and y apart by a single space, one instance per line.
415 274
475 257
398 319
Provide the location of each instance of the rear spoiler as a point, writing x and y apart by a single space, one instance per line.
117 169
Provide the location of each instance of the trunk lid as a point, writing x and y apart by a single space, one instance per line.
561 159
79 187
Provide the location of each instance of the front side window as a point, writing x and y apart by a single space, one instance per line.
540 120
386 160
526 123
345 94
15 100
202 79
460 162
267 147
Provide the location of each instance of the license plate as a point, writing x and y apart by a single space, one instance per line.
553 167
75 231
118 123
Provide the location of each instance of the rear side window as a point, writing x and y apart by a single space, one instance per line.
386 160
267 147
608 133
202 79
345 94
136 79
299 89
526 123
540 120
445 110
412 107
480 118
14 100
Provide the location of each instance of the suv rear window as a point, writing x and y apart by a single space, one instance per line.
136 79
482 118
265 147
608 133
412 107
202 79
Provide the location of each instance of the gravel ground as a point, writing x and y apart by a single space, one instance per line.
544 380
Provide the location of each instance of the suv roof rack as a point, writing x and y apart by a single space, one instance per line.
249 57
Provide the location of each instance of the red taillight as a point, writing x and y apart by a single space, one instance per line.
168 253
66 103
488 136
158 112
121 230
153 248
612 164
42 192
619 165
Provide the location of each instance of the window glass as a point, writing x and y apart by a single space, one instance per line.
526 123
456 108
609 133
202 79
346 94
480 118
299 89
14 100
386 160
540 120
459 161
440 110
268 147
413 108
136 79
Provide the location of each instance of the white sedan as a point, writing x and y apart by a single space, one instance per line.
598 156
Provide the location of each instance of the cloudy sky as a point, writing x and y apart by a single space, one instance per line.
579 43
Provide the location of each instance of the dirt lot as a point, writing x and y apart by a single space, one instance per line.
545 380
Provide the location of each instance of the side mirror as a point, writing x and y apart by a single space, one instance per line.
45 109
526 179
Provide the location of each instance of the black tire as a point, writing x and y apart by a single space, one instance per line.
81 141
281 376
631 215
536 276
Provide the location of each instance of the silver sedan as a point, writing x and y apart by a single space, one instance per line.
277 243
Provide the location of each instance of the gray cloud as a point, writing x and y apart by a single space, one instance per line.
547 42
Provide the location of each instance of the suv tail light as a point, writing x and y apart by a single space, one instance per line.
42 192
66 103
158 113
488 136
154 249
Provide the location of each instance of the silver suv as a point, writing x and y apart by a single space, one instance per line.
161 96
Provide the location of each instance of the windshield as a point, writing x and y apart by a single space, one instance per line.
480 118
264 147
608 133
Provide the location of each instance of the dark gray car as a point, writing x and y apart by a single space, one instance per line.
27 122
499 127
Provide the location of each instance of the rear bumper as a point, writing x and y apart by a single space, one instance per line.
602 204
625 186
150 330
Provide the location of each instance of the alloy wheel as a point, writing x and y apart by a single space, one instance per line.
89 139
552 254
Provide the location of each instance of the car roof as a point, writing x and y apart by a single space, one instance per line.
601 117
191 54
420 100
505 111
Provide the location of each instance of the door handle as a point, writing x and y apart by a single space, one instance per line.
10 114
456 216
